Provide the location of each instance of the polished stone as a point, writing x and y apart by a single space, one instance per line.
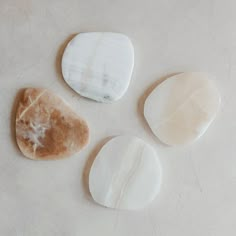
126 174
47 128
182 107
99 65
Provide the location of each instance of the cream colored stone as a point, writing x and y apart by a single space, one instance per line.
126 174
182 107
46 128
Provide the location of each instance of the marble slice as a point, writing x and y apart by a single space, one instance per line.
99 65
182 107
46 128
126 174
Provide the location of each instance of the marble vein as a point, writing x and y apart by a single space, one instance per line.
129 176
181 106
32 103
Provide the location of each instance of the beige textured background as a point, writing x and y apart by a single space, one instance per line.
198 196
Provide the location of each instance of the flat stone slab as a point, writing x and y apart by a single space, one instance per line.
99 65
126 174
181 108
47 128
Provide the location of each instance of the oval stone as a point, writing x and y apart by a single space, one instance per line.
126 174
182 107
99 65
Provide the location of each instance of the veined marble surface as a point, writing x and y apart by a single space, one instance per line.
182 107
126 174
47 128
99 65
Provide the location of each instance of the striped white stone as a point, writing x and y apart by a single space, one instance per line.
126 174
99 65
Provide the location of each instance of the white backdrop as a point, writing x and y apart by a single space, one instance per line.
198 195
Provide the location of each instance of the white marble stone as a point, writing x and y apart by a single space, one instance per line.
126 174
182 107
99 65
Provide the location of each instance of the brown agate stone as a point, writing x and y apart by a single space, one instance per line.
46 128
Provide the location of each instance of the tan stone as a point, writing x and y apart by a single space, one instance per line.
46 128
